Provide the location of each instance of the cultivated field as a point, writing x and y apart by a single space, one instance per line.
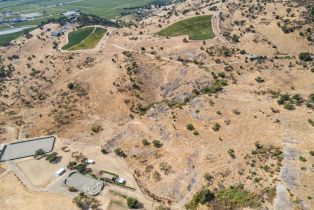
197 28
49 9
84 38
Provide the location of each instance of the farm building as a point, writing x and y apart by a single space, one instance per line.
72 13
56 33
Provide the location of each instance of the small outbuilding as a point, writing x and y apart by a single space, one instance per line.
56 33
120 180
89 161
60 171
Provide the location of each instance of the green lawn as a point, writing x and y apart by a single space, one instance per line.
75 37
197 28
85 38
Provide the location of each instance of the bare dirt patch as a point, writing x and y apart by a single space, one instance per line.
14 196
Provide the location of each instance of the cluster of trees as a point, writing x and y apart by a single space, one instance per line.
132 203
204 196
5 71
305 56
86 202
80 167
310 13
52 157
84 20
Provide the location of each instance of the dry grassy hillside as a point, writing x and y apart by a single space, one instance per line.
204 108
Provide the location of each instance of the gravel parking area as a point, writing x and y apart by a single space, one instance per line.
27 148
85 184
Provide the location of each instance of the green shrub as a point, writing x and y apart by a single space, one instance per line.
81 167
72 86
72 189
237 196
104 151
39 152
216 127
132 202
119 152
190 127
310 101
208 177
196 133
236 111
157 143
71 165
289 106
204 196
305 56
231 153
162 207
301 158
145 142
96 128
52 157
259 79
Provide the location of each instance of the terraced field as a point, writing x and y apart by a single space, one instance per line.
84 38
197 28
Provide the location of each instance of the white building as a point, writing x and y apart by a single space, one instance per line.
60 171
71 13
89 161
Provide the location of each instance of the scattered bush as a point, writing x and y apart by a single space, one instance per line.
208 177
289 106
204 196
71 165
259 79
235 111
190 127
132 202
72 86
145 142
104 151
39 153
301 158
96 128
231 153
72 189
86 202
119 152
216 127
162 207
82 168
237 196
310 102
52 157
196 133
305 56
157 143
